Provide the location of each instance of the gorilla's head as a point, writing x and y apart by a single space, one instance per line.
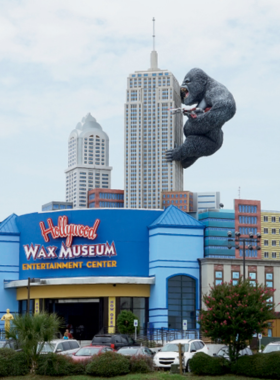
193 86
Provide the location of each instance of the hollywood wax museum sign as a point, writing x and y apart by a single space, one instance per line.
67 250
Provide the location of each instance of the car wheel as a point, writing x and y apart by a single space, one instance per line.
188 369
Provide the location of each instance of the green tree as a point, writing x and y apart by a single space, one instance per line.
235 312
32 331
125 322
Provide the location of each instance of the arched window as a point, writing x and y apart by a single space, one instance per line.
181 302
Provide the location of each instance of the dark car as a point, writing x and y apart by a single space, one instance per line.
115 341
135 351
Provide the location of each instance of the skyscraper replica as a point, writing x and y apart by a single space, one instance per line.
150 130
88 161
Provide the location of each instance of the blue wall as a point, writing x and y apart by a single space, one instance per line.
173 251
126 228
9 271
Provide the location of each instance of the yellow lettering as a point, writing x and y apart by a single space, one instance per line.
75 265
109 264
43 266
94 264
52 266
38 266
99 264
80 263
89 264
70 265
114 263
24 266
48 265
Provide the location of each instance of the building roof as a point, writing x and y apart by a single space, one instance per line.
9 225
173 217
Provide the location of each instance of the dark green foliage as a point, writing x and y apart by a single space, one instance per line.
235 312
125 322
58 365
13 363
202 364
259 365
108 365
28 330
141 364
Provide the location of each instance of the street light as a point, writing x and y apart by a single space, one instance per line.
252 243
30 281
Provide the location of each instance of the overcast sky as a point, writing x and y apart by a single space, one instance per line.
61 59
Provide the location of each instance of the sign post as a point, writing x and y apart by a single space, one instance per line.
185 325
260 341
180 359
135 325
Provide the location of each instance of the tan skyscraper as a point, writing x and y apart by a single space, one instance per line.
150 130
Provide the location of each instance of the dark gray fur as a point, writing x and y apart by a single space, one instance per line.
204 135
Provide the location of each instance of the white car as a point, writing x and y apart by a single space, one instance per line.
169 354
61 346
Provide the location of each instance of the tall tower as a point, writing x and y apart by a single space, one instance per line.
150 130
88 161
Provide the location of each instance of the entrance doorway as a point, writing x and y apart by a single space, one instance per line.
83 317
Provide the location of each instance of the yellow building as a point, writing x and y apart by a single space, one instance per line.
270 226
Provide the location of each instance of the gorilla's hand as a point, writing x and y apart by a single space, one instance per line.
173 155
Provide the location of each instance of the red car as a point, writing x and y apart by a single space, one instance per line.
88 351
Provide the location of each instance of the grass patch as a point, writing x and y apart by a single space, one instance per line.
149 376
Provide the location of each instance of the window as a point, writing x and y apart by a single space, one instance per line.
265 230
235 277
253 278
266 255
273 231
181 302
265 242
273 243
265 218
218 277
137 305
273 255
269 279
273 219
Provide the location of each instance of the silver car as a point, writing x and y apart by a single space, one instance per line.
61 346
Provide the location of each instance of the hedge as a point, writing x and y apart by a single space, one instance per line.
13 363
58 365
141 364
203 364
108 365
259 365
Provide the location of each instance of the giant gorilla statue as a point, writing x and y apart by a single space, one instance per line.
203 132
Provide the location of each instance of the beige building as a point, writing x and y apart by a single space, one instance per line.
270 230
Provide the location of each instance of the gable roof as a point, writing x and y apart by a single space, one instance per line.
9 225
173 217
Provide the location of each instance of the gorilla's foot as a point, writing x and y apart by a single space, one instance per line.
186 163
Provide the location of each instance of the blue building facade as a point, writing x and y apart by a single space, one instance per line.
91 264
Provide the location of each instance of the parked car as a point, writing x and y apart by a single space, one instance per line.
9 343
61 346
169 354
271 347
115 341
223 352
135 351
88 351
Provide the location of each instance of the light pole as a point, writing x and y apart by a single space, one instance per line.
30 281
252 242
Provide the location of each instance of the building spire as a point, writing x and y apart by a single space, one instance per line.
154 56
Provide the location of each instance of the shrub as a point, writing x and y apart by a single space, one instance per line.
58 365
125 322
259 365
203 364
108 365
141 364
13 363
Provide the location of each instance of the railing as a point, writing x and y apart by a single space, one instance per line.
152 337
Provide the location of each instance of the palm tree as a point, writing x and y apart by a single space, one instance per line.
32 331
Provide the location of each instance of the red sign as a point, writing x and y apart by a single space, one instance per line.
63 229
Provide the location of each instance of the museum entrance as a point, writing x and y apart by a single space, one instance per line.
83 317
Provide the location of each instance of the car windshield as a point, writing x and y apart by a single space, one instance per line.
102 339
271 348
128 351
87 351
174 347
47 347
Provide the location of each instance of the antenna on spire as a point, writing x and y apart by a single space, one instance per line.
154 34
